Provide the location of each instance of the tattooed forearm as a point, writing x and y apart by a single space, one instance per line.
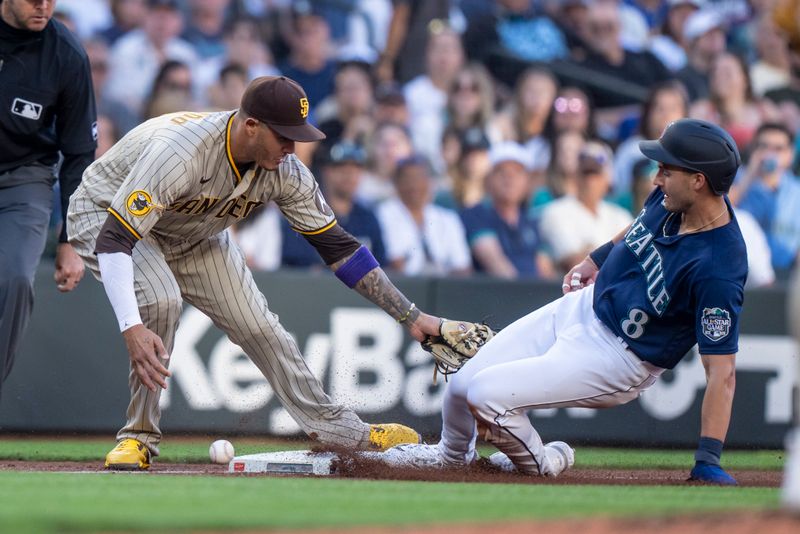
377 288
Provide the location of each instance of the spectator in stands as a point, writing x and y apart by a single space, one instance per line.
340 171
205 27
773 68
471 101
467 168
426 94
759 257
390 143
309 62
742 33
704 39
572 111
613 76
571 16
525 119
787 101
119 115
347 115
403 57
731 103
65 17
561 177
243 46
503 238
227 92
670 45
771 192
642 173
171 91
666 102
137 57
390 105
515 36
784 13
358 27
89 16
128 15
574 225
654 12
420 237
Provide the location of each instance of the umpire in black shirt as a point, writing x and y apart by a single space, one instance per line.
46 107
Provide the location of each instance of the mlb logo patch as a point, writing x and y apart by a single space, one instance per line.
716 323
26 108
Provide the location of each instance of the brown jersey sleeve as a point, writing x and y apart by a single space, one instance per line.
333 244
114 236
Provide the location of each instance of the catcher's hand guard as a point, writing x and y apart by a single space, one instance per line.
457 342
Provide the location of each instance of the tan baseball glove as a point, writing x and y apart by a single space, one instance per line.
458 342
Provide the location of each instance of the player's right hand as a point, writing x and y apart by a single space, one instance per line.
148 356
580 276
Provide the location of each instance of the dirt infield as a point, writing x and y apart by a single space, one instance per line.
357 468
353 466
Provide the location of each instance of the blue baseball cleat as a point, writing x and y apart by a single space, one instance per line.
711 474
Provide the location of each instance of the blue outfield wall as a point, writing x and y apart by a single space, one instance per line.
71 373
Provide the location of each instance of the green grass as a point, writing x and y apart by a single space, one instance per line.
195 450
46 502
605 458
103 501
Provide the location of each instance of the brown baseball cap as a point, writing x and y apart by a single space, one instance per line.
282 104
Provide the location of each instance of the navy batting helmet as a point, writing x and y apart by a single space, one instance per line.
699 146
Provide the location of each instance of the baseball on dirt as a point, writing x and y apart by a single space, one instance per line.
221 451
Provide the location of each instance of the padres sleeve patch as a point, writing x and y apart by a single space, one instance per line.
716 323
139 203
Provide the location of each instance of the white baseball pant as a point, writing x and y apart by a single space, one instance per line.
560 355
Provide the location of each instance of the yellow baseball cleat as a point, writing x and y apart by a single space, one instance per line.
128 455
386 436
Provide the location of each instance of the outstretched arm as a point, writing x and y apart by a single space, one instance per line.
377 288
715 418
357 268
718 399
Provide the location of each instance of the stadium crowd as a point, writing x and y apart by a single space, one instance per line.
475 136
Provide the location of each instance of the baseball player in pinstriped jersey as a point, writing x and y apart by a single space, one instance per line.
149 220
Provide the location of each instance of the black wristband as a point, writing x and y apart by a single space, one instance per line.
600 254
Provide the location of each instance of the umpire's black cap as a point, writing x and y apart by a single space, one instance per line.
698 146
282 104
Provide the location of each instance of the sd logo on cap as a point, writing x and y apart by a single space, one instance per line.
280 103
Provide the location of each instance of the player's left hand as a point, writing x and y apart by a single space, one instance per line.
580 276
712 474
423 326
69 268
457 342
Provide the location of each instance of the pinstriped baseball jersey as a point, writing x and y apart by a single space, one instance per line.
173 184
174 176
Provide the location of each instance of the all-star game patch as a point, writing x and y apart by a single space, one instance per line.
139 203
716 323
